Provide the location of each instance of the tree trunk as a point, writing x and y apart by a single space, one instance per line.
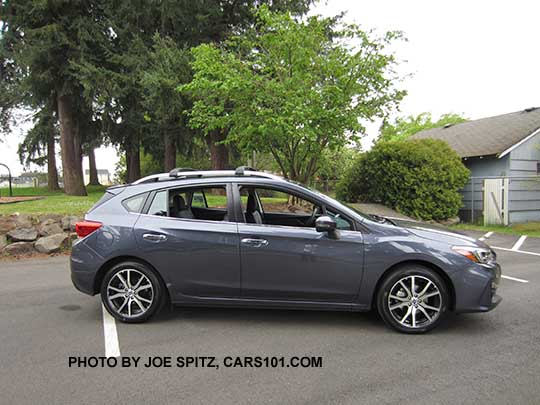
170 150
219 153
133 161
92 168
71 164
52 172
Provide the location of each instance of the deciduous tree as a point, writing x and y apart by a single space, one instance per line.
293 87
402 128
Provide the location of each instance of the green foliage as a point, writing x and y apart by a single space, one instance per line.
168 65
292 88
146 45
420 178
335 163
402 128
197 158
33 148
149 165
120 170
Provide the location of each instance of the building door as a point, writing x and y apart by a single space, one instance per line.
496 201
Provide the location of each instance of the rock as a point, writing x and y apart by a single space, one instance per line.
3 241
56 217
73 237
49 227
7 224
22 220
450 221
68 223
51 244
19 248
23 235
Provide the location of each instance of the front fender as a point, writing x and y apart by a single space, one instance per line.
383 252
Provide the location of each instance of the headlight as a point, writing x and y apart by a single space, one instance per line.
476 254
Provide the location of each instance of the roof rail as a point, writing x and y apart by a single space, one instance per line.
191 173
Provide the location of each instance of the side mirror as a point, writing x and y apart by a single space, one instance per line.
325 224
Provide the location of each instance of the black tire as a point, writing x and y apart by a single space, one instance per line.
112 284
403 301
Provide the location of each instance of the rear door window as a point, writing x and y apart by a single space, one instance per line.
208 203
160 204
199 199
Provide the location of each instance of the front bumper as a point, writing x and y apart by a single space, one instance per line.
477 289
495 300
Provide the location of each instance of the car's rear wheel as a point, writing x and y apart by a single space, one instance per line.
132 292
413 299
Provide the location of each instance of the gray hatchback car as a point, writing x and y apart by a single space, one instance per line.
245 238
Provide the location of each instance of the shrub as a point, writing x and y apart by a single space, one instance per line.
420 178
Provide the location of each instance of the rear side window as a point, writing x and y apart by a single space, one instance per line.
135 203
104 198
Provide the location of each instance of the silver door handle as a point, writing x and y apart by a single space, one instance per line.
154 237
254 242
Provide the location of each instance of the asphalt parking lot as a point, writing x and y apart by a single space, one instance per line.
485 358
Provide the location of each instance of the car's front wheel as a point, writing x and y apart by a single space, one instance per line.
413 299
132 292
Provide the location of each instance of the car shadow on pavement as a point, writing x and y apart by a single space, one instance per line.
257 316
454 324
460 324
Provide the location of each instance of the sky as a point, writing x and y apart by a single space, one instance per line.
478 58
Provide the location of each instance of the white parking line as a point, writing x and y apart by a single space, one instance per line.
519 242
519 280
112 347
487 235
516 251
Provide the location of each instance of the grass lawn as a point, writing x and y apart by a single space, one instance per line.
59 203
53 203
529 229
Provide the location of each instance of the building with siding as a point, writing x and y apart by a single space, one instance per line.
104 177
505 147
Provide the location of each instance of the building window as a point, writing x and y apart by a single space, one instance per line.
537 167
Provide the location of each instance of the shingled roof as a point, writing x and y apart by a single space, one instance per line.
486 136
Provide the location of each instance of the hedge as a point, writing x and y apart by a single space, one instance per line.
419 178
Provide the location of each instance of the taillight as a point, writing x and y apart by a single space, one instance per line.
85 228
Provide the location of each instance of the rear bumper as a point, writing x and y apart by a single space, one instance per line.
83 281
84 264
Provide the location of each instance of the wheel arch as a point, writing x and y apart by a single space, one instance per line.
424 263
120 259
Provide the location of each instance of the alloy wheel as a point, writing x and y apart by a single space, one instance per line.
130 293
415 301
